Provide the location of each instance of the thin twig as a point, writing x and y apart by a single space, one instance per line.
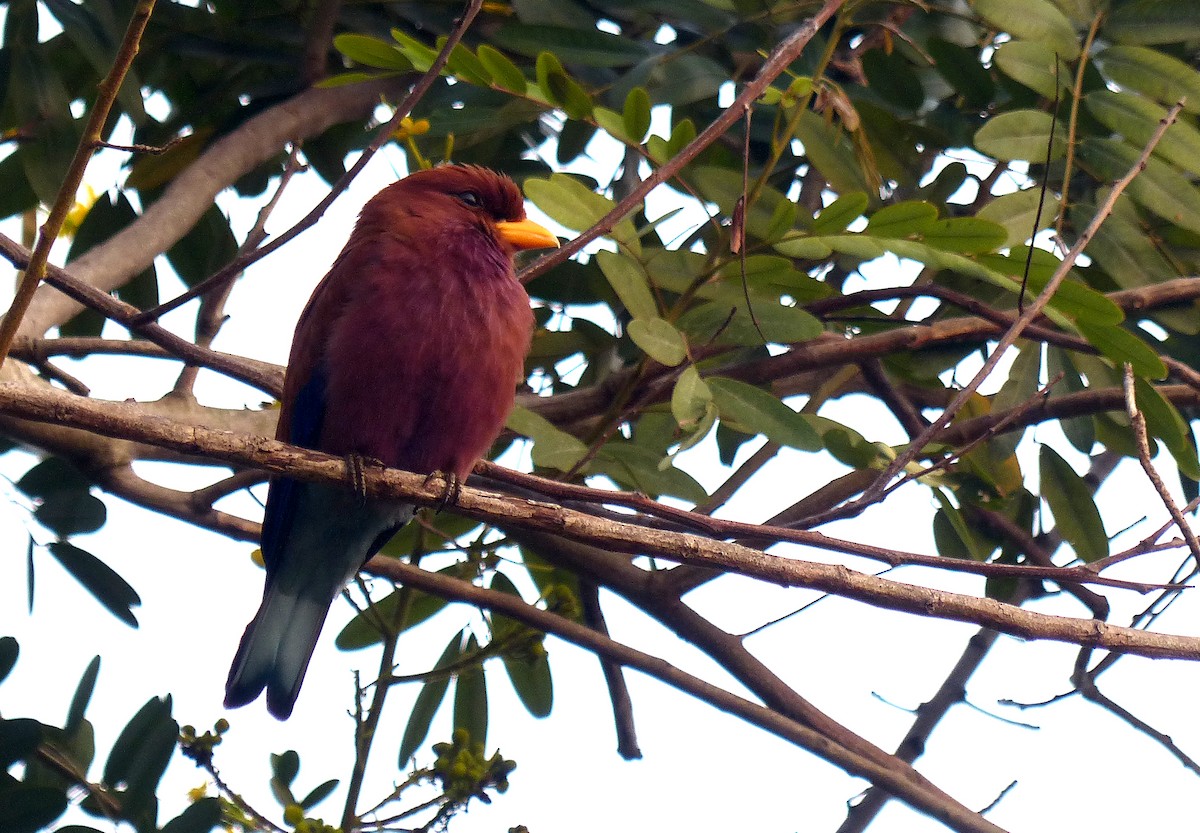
382 137
877 489
1141 437
108 88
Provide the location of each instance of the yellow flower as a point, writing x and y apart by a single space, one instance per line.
410 127
197 793
83 204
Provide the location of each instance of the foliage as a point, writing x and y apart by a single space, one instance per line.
872 224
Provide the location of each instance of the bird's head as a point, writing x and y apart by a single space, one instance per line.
465 196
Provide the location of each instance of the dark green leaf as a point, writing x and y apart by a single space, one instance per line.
840 213
71 513
589 47
25 809
19 739
1075 513
504 72
363 631
756 411
1120 345
201 817
319 794
54 474
16 195
141 753
963 70
203 250
1151 22
9 650
371 52
285 766
528 668
1166 423
470 697
636 114
112 591
83 695
427 703
902 219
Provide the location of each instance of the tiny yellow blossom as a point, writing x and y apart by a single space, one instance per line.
410 127
197 793
83 204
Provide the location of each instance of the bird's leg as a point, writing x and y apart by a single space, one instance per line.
356 472
452 491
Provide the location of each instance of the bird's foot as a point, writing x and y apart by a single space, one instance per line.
452 491
356 472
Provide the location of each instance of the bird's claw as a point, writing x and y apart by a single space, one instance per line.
356 472
452 491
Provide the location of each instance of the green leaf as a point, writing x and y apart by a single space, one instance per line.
969 235
16 195
560 89
552 447
201 817
54 474
9 650
371 52
1164 421
953 534
470 697
660 341
1160 186
319 793
71 513
504 72
83 695
1032 64
636 114
1075 513
140 754
963 70
432 693
568 201
1035 20
1021 135
422 56
1016 213
1152 22
690 399
207 247
27 809
629 280
832 153
1162 77
528 669
108 588
589 47
363 630
640 468
1120 345
755 411
1137 119
901 219
285 766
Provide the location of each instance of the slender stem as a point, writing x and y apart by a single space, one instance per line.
879 487
784 54
106 95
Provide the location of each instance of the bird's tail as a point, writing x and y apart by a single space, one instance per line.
276 648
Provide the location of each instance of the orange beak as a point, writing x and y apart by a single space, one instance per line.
526 234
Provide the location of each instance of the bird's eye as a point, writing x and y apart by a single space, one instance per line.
469 198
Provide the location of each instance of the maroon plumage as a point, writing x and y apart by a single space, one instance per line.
408 352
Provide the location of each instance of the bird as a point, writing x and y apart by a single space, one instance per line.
408 355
